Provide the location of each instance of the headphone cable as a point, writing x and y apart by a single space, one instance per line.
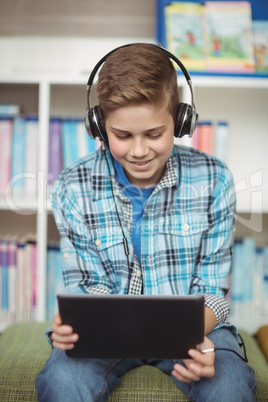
125 243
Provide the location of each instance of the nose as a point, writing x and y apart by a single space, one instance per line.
139 148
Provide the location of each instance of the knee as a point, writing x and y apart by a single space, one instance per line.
236 379
58 379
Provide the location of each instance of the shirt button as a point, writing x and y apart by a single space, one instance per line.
185 227
138 273
97 242
148 261
65 256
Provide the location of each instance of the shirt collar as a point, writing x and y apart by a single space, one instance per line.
101 185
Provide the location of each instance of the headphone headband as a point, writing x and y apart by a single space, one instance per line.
187 116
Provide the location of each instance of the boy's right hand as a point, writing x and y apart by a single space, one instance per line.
62 335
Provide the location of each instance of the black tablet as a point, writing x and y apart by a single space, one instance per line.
133 326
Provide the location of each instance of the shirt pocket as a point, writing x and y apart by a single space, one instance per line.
184 225
107 238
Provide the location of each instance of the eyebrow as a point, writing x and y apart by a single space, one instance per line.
150 130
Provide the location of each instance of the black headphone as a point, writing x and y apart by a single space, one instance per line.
186 119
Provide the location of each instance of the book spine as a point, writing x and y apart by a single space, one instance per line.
221 140
9 110
82 140
12 278
258 283
196 136
18 155
5 153
54 280
20 289
4 275
34 281
31 134
55 150
69 142
206 137
265 280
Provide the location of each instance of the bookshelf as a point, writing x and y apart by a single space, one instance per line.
240 100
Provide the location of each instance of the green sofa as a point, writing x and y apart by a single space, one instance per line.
24 351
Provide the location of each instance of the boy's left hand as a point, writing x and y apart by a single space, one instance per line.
201 364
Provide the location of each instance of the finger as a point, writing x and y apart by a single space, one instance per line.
207 359
57 319
61 329
64 338
63 346
64 342
185 375
202 366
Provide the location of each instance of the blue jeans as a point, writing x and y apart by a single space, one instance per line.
68 379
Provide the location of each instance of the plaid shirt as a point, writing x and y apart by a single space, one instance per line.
187 230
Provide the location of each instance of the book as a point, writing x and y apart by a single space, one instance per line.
20 259
31 138
5 152
221 140
4 275
69 141
86 144
12 278
9 110
18 155
55 150
265 280
185 33
196 136
206 137
229 36
55 283
260 41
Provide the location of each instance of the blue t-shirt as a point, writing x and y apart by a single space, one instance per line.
138 197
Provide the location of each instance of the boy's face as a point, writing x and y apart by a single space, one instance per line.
141 139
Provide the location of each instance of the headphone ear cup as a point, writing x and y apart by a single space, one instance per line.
186 120
94 124
102 135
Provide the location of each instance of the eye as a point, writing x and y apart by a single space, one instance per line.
122 136
154 136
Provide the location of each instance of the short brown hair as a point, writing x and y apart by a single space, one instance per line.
138 74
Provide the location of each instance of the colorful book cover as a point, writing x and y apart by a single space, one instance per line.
265 280
34 276
229 37
12 277
55 284
5 152
221 140
260 40
185 33
196 136
69 142
55 150
31 133
86 144
20 288
18 155
4 274
206 137
30 278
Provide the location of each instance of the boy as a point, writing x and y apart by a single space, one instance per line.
177 211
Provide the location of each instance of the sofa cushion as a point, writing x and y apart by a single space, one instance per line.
258 362
24 351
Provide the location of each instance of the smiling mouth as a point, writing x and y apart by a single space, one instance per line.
141 165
